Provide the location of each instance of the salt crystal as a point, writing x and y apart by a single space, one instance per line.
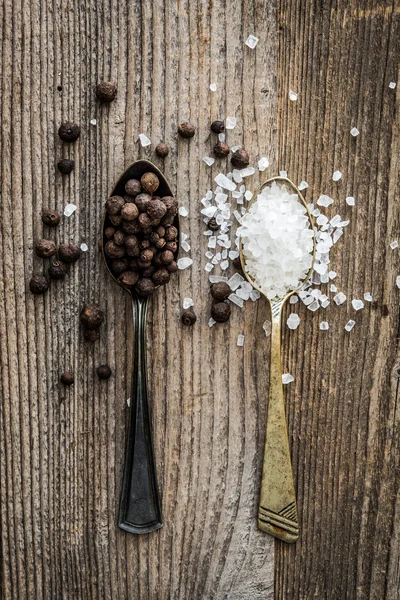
320 268
217 278
293 321
209 266
313 306
144 140
267 326
224 265
349 325
211 322
224 182
209 160
324 200
213 87
357 304
209 211
282 173
392 85
325 303
224 253
263 163
293 299
233 150
368 297
184 263
247 171
185 246
69 209
230 123
293 96
254 295
336 176
398 281
322 220
303 185
251 41
354 132
93 122
221 137
236 300
237 215
350 201
240 340
235 281
205 202
324 325
394 244
183 211
248 195
333 287
208 232
340 298
187 302
84 247
233 254
332 274
337 235
209 254
212 242
128 401
342 223
287 378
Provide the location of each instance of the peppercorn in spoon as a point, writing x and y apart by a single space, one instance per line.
277 249
140 243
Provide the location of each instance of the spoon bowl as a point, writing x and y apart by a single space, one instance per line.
277 512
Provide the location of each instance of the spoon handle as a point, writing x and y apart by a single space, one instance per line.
140 508
277 513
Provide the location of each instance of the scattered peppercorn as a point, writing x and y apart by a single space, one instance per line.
58 269
69 253
106 91
91 316
188 317
162 150
240 159
65 166
67 378
132 187
150 182
221 149
38 284
220 312
51 217
220 291
103 372
91 335
212 224
186 130
45 248
217 126
69 132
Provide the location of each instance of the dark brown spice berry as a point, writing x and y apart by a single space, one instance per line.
51 217
220 312
170 233
221 149
186 130
147 254
69 132
161 276
143 244
129 199
172 205
149 182
220 291
38 284
109 232
113 251
240 159
162 150
67 378
69 253
116 220
172 267
132 245
172 246
156 209
161 231
129 212
91 335
143 264
237 264
106 91
103 372
145 287
91 316
149 271
114 205
145 221
166 257
58 269
129 278
212 224
141 202
131 227
134 266
45 248
65 166
188 317
217 126
132 187
119 265
119 237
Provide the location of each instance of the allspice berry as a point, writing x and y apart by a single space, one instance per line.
220 312
240 159
188 316
109 232
237 264
141 201
119 265
91 316
161 276
65 166
132 187
145 221
162 150
170 233
128 278
131 227
69 132
38 284
156 209
106 91
119 237
172 267
69 253
103 372
150 182
51 217
217 126
67 378
113 251
221 149
145 287
212 224
91 335
116 220
166 257
58 269
220 291
129 211
45 248
114 205
186 130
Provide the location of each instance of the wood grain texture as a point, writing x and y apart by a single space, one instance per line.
62 449
343 407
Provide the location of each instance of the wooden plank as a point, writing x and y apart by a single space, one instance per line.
61 450
343 406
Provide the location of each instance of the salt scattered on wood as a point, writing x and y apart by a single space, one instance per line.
225 182
235 281
144 140
224 265
350 201
187 302
357 304
263 163
93 122
254 295
217 279
333 287
336 176
184 263
293 321
398 281
324 200
251 41
368 297
240 340
211 322
213 87
84 247
183 211
236 300
209 266
230 123
340 298
287 378
349 325
303 185
282 173
293 96
209 160
69 209
324 325
392 85
185 246
394 244
354 132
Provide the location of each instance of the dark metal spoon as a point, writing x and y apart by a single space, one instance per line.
140 507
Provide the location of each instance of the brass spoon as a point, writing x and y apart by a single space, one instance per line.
277 512
140 507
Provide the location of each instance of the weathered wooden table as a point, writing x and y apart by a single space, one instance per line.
62 449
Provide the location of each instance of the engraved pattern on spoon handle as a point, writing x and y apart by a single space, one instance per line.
277 514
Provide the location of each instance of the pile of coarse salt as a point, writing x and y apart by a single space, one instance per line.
277 241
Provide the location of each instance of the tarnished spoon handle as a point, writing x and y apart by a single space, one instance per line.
277 513
140 509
